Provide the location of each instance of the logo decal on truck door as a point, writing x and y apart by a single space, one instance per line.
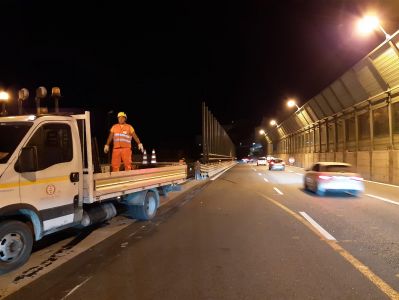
50 189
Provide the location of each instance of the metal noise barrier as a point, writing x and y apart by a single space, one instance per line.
145 160
153 157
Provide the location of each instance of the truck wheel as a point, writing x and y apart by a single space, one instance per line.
16 242
148 210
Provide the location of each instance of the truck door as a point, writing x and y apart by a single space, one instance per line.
54 188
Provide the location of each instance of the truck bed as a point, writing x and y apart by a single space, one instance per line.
113 184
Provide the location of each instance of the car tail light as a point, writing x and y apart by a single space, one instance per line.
356 178
272 162
325 177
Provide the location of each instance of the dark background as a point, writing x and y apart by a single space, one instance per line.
158 61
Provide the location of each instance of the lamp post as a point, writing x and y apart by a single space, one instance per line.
273 123
292 103
4 96
369 23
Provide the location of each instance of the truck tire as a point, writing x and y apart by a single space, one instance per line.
148 210
16 240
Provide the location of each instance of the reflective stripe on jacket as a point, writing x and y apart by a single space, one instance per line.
122 135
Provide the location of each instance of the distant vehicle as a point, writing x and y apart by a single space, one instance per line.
276 164
245 160
269 158
261 161
333 176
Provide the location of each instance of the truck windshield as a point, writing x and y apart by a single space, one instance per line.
11 135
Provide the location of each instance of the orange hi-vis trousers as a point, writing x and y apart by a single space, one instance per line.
121 154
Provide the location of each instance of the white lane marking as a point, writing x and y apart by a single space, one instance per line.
317 226
278 191
383 199
391 185
300 174
260 174
290 171
265 179
75 288
215 177
255 170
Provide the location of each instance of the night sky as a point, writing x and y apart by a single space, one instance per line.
158 61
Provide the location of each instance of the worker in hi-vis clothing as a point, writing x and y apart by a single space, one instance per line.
121 135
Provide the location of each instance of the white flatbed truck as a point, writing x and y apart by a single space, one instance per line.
48 183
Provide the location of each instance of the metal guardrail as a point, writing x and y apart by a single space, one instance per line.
208 170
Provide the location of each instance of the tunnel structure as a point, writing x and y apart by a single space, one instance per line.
355 120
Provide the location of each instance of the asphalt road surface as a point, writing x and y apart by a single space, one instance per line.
249 234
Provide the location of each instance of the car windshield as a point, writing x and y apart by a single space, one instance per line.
336 168
14 133
277 161
262 158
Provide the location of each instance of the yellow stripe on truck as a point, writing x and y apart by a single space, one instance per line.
40 181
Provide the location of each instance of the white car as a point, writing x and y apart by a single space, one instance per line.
334 177
261 161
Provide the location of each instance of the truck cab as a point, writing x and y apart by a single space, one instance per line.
48 183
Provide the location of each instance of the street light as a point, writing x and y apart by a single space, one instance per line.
369 23
261 131
4 96
273 123
292 103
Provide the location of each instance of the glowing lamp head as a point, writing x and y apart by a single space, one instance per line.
368 24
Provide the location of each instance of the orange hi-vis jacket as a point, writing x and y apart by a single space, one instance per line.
122 135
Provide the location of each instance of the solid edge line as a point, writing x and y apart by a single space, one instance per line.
382 199
75 288
381 183
265 179
278 191
324 232
214 177
377 281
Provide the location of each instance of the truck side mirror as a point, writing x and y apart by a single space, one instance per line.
27 160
